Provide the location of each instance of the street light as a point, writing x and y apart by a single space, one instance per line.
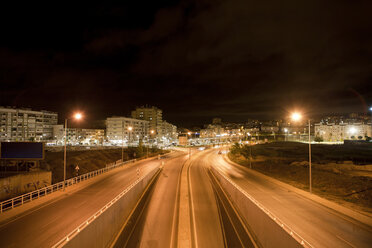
129 129
189 133
122 141
297 117
250 151
76 116
285 136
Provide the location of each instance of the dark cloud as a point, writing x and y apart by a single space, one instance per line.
195 59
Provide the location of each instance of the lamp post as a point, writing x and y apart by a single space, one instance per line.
77 116
152 141
122 141
285 134
250 151
130 128
189 133
297 117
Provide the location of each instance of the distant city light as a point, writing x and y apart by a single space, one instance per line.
285 130
130 128
353 130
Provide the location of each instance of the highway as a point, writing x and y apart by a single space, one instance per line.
157 225
206 227
319 225
45 225
213 223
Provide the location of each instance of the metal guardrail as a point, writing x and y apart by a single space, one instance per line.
78 229
33 195
284 226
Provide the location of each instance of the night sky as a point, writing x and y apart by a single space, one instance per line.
196 60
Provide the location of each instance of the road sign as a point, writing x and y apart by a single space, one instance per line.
22 150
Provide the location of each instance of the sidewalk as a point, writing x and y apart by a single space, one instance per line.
364 217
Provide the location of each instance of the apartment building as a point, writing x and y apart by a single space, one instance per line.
343 131
127 129
78 136
169 131
18 124
151 114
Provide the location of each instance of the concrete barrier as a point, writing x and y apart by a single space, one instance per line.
101 228
23 183
269 230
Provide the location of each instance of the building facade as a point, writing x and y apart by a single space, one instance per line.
169 131
331 132
151 114
118 129
26 124
78 136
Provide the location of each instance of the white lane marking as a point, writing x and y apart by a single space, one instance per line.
347 242
176 205
192 206
277 199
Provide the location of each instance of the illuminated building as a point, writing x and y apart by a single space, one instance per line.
343 131
118 129
26 124
151 114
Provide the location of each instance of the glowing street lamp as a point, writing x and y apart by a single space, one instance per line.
130 128
296 117
286 132
76 116
250 151
189 133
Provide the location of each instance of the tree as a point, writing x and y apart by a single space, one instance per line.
235 149
360 137
318 139
139 149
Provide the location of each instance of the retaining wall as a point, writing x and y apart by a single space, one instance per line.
101 229
269 231
24 183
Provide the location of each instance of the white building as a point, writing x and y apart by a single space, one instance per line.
344 131
151 114
118 129
78 136
169 131
26 124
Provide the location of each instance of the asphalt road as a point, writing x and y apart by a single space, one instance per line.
320 226
44 226
157 225
205 218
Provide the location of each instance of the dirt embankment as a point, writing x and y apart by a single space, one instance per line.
340 181
87 161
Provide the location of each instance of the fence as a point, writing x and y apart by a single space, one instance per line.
268 228
33 195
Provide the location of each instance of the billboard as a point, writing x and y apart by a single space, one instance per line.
22 150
